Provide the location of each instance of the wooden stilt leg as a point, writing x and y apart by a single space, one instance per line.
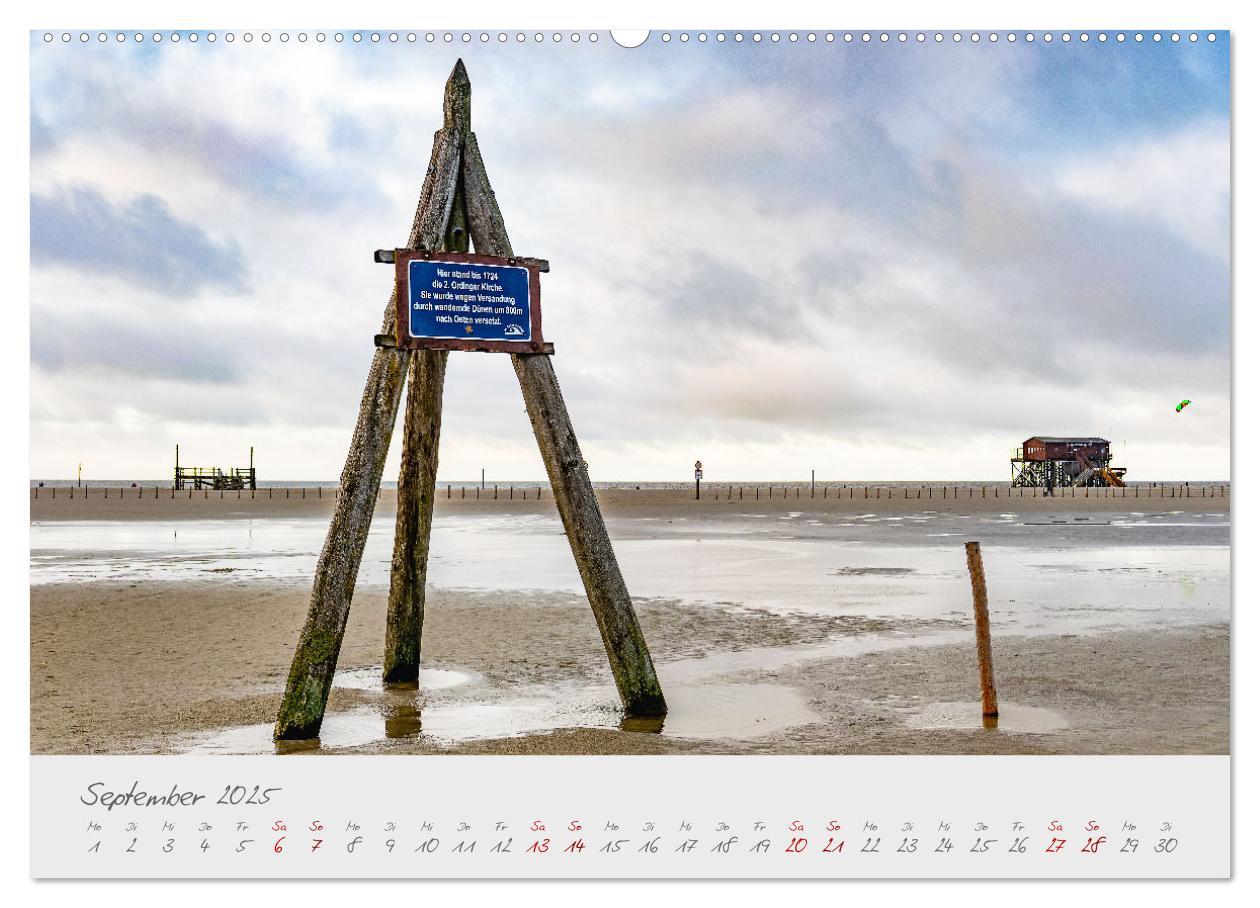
417 481
628 654
315 658
422 425
627 650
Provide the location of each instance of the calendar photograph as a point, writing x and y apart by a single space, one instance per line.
620 395
824 316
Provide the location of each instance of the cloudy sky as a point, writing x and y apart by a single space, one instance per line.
877 261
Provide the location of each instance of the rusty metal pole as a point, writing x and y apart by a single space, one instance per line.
984 649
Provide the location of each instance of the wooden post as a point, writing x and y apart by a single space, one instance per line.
627 650
984 650
404 622
315 658
417 474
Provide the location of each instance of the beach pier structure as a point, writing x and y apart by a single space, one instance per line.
984 646
457 209
233 478
1050 462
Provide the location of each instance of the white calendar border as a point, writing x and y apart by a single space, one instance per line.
490 13
933 817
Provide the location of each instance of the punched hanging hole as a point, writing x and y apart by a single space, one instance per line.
629 37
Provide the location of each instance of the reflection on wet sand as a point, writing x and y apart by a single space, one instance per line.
705 711
744 607
1012 718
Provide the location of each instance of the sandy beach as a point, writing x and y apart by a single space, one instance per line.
166 626
131 670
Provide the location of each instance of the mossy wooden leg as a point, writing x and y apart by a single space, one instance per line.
315 658
628 654
417 483
422 425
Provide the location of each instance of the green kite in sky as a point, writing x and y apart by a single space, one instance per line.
1181 406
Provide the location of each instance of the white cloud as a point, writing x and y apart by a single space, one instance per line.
841 269
1181 180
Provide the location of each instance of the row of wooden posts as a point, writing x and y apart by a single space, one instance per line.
1153 490
157 492
317 492
739 493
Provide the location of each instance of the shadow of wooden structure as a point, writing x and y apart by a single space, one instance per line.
457 207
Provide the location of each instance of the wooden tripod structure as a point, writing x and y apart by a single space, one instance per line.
456 205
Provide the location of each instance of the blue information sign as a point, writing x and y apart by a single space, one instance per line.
465 301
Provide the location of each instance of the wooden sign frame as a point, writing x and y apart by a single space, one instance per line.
402 332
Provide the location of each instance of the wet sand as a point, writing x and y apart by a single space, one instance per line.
778 624
153 667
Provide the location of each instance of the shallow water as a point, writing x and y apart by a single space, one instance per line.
708 711
1012 718
1133 571
431 679
1055 574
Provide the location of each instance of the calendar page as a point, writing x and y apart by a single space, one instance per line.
564 452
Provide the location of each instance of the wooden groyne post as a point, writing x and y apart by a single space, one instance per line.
984 648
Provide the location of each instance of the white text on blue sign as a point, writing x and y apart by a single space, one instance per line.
459 300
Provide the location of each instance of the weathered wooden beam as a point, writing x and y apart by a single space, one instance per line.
315 658
627 650
417 475
984 645
390 256
417 479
